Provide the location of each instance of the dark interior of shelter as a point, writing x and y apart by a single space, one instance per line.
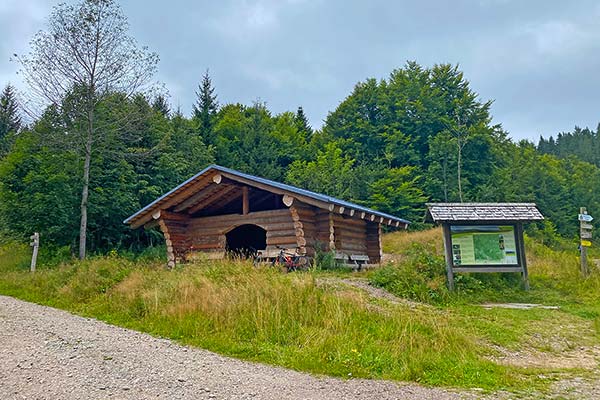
245 240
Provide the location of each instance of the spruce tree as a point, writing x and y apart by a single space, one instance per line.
205 109
161 105
10 121
302 122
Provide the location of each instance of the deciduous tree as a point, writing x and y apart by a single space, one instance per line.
86 53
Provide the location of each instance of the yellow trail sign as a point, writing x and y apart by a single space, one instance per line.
586 243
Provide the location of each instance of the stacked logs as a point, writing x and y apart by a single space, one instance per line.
350 235
304 227
208 233
174 228
374 250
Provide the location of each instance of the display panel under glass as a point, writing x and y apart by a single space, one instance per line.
483 245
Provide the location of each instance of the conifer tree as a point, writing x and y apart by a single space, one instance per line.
10 121
302 123
161 105
206 107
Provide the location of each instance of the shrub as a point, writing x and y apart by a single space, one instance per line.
420 276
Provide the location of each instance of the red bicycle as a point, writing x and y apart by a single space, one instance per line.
291 261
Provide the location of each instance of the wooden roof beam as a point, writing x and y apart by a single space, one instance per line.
211 199
257 198
288 200
198 197
223 201
172 200
273 189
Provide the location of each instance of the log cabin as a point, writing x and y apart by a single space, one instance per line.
220 210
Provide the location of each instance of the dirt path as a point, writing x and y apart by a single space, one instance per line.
50 354
372 291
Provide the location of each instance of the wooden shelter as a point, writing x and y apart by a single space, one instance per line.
221 210
483 237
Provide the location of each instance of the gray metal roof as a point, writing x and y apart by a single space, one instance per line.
473 212
156 204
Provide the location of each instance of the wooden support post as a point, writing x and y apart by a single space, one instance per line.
448 254
170 251
380 234
522 259
331 233
299 232
245 200
36 246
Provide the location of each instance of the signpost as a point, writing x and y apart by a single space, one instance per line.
35 243
585 234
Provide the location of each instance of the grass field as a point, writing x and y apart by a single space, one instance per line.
294 320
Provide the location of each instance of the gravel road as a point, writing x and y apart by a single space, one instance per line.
50 354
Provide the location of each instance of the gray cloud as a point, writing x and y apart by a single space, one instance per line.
538 60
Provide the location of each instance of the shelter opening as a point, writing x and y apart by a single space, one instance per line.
246 239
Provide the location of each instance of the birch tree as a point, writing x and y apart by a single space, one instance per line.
86 49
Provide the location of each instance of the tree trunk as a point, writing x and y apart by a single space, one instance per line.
86 186
445 176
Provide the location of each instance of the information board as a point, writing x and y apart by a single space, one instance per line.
483 245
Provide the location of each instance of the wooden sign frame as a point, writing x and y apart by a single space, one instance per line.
520 266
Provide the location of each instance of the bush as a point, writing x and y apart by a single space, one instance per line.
325 260
421 276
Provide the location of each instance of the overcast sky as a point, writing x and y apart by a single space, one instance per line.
538 60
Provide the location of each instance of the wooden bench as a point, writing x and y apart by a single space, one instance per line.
356 261
359 260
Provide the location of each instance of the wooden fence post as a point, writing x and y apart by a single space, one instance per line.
36 245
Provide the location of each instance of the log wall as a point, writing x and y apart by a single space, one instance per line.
175 230
350 235
304 217
325 235
301 225
374 250
208 233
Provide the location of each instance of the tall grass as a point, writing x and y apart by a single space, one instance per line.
554 273
293 321
13 256
555 279
264 315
